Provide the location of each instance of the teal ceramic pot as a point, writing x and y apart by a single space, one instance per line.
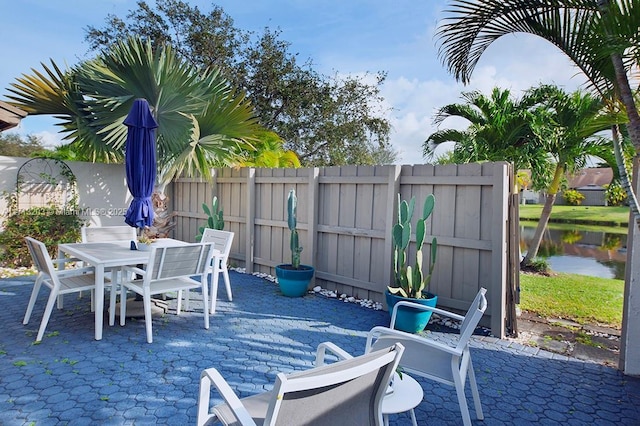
409 319
294 282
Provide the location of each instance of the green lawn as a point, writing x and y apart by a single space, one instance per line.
582 214
579 298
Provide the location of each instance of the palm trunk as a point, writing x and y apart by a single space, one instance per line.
624 176
626 97
534 245
163 222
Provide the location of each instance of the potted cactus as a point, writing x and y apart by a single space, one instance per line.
293 278
215 217
411 282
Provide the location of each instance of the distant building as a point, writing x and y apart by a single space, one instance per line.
590 182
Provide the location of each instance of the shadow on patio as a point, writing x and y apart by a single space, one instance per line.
72 379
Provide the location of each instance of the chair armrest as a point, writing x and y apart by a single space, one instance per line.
407 339
133 270
65 273
333 348
212 376
65 260
423 308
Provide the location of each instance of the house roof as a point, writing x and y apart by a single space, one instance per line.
10 116
592 178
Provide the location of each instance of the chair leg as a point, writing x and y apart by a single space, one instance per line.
32 299
112 304
227 282
123 304
47 314
146 297
179 306
214 288
205 298
474 392
462 399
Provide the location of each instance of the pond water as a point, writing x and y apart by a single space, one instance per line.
598 254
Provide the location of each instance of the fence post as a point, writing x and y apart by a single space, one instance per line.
251 219
629 361
499 261
312 215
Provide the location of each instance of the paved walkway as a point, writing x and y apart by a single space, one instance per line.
71 379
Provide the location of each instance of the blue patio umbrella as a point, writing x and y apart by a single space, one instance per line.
140 163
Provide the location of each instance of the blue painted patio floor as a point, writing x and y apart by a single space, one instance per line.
72 379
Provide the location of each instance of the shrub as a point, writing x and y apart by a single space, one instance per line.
46 224
573 197
538 265
614 194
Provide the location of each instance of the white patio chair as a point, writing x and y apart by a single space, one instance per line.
347 392
59 281
170 268
222 241
96 234
435 360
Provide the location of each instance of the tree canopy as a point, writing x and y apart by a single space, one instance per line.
202 120
325 120
13 145
600 37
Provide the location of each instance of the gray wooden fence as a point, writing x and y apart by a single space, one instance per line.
345 216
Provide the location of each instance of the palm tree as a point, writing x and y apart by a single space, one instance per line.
566 125
547 131
499 130
202 120
600 36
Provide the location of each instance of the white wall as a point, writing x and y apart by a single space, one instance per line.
103 196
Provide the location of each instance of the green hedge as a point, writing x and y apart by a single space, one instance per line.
47 224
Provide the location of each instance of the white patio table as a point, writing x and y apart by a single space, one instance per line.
112 254
405 396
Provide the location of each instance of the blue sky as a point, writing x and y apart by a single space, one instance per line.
345 36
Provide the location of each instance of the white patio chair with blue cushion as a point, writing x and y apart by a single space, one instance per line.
222 241
171 268
347 392
435 360
59 281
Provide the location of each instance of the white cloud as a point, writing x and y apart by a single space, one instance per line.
42 127
397 37
49 140
514 63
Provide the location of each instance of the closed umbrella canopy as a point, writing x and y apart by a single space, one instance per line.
140 163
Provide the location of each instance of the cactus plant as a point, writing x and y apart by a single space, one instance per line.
294 244
411 281
215 218
294 278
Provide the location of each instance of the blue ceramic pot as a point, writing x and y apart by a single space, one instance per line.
409 319
294 282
